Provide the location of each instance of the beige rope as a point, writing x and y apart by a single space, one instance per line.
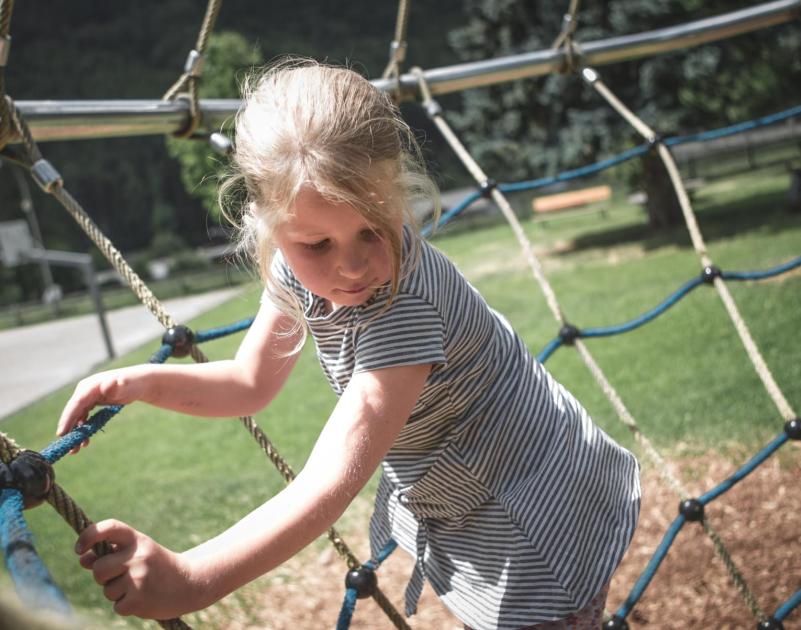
594 368
497 196
699 245
591 77
190 78
569 24
398 47
6 128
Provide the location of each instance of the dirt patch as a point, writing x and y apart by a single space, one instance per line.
759 521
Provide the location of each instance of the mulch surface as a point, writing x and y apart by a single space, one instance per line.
759 521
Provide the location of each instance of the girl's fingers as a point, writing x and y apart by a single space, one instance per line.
113 531
88 559
115 589
110 567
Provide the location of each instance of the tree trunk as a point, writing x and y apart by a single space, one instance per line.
663 205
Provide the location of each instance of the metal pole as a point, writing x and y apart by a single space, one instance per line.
84 263
72 120
91 282
52 292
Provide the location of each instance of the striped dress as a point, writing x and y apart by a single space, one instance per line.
515 505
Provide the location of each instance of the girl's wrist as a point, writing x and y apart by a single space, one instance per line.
203 579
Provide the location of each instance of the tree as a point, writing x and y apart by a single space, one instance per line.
540 127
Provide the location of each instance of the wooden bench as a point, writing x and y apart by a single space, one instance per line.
547 205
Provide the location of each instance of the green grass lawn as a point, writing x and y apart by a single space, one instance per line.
684 377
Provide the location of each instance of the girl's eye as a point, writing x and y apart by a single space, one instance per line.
318 246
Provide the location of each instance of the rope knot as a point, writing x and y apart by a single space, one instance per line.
29 473
181 338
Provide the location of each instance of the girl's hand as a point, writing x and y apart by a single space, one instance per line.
141 577
115 387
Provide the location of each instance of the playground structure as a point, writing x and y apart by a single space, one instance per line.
187 116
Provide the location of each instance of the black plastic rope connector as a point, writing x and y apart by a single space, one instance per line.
770 624
433 108
29 473
692 510
486 187
194 64
709 274
45 174
793 428
363 581
568 333
180 338
655 140
5 49
616 623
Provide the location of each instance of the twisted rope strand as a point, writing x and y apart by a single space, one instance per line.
699 245
591 77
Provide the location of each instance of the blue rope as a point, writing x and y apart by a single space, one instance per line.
650 570
645 317
597 167
349 603
667 303
348 608
787 607
222 331
548 350
759 275
745 470
58 449
731 130
32 580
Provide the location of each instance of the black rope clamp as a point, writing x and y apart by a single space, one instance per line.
46 175
363 581
486 187
568 333
616 623
180 338
793 428
692 510
709 274
29 473
194 64
5 49
654 141
433 108
770 624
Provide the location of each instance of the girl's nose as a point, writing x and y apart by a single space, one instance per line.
353 263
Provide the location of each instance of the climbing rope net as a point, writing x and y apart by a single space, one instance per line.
27 478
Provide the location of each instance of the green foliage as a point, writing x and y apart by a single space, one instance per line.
541 126
228 57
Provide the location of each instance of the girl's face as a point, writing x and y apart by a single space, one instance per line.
333 251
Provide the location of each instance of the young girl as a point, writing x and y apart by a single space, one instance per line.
516 507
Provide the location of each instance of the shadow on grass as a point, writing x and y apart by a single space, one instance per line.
766 212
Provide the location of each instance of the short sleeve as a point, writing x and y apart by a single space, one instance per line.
282 281
409 331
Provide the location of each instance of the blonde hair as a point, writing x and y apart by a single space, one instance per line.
304 123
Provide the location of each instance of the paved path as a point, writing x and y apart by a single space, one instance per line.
36 360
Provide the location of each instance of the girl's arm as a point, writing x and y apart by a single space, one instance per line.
236 387
150 581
